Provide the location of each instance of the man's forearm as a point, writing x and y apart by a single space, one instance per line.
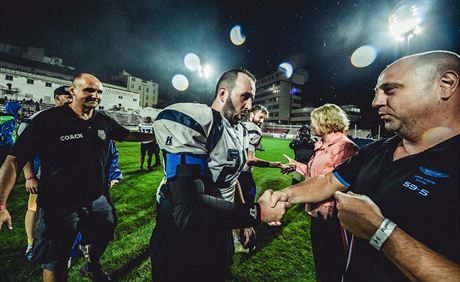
417 261
28 171
261 163
313 189
140 136
8 173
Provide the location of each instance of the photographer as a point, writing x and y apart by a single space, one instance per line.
303 147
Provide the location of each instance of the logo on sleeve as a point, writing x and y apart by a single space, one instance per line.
168 141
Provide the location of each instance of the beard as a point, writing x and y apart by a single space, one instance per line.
230 112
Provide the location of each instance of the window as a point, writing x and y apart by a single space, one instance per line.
120 97
146 90
132 86
9 77
48 84
139 88
133 79
134 100
30 81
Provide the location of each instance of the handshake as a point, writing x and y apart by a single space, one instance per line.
273 206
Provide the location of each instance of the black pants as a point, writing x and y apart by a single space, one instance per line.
328 249
200 253
56 229
150 148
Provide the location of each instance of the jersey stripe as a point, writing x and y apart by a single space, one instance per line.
181 118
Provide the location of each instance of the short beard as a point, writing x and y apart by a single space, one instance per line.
229 111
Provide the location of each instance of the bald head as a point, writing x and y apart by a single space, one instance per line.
420 93
81 78
430 65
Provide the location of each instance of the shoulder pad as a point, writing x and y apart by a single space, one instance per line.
183 128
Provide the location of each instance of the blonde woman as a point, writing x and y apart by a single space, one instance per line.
330 123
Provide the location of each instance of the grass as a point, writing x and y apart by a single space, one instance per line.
282 253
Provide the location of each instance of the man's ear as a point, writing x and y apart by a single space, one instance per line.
448 84
72 90
223 93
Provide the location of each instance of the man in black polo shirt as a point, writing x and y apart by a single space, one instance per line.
411 179
71 142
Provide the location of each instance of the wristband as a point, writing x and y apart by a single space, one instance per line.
2 207
31 178
382 233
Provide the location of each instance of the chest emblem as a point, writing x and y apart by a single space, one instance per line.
101 134
433 173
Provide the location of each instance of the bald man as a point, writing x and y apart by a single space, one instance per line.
404 216
71 142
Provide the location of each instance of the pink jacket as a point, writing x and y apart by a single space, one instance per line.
327 157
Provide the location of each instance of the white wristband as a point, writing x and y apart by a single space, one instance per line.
382 233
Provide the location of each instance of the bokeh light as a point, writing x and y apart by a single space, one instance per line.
236 35
286 68
180 82
363 56
300 77
192 61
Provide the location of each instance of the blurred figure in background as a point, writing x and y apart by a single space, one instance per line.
303 147
8 128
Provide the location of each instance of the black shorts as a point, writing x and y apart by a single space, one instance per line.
201 253
149 148
56 228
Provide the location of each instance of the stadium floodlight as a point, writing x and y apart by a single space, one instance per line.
405 20
207 71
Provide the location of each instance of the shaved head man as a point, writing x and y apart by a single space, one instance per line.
403 205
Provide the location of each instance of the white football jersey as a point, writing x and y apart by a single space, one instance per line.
199 130
146 128
255 137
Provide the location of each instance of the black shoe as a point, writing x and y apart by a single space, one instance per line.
97 274
140 170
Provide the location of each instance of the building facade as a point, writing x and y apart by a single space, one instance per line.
279 95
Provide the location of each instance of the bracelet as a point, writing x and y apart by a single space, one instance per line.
2 207
382 233
31 178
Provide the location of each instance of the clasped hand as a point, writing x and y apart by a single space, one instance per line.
272 213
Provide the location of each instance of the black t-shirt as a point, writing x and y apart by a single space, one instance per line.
72 153
420 193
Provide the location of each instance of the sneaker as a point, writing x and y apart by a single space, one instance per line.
29 253
97 274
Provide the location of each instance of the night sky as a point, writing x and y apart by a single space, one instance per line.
150 38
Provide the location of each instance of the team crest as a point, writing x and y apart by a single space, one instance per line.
101 134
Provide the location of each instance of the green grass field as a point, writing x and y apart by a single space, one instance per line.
282 253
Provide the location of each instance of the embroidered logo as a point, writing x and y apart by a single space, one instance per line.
433 173
168 141
101 134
